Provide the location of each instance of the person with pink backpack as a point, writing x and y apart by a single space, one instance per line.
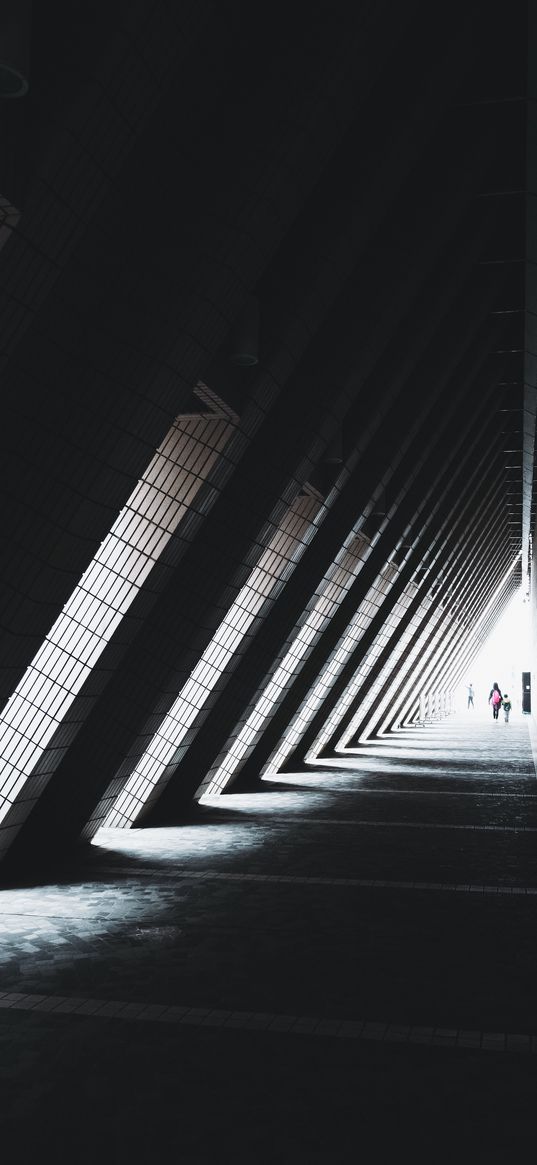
495 698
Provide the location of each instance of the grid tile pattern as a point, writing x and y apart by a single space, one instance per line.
368 698
276 562
142 530
361 883
358 625
320 610
360 677
270 1022
132 328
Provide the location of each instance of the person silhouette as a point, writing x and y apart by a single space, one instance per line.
495 698
470 690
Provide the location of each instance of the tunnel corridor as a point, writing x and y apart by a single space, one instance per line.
268 866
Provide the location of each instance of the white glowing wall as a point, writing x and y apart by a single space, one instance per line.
359 624
105 592
399 667
359 679
332 590
283 550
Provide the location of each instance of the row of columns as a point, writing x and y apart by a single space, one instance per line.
435 705
383 326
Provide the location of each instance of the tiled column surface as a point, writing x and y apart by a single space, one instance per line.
330 958
432 635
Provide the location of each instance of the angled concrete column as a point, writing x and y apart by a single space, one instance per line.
500 579
334 177
319 738
440 657
407 632
478 531
442 646
173 612
454 669
292 701
456 567
184 788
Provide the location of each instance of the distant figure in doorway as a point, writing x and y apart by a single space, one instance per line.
470 695
506 705
495 699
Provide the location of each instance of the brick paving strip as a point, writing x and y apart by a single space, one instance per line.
419 772
416 793
368 883
438 1037
283 823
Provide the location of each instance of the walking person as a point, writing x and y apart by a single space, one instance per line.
470 690
495 698
506 705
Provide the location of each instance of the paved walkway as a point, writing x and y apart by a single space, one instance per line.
343 964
